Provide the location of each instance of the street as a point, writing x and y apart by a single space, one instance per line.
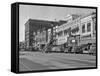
30 61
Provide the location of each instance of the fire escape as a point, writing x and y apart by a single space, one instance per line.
49 45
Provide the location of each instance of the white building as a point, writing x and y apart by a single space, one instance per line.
87 29
64 31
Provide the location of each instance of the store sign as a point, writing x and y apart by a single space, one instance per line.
62 40
73 41
86 37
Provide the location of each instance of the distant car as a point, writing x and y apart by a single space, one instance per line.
69 49
85 50
92 50
78 50
66 50
22 49
54 49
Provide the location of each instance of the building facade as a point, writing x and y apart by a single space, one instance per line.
41 39
88 29
38 33
73 31
78 32
65 31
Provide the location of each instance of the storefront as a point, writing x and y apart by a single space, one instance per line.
88 44
73 42
87 39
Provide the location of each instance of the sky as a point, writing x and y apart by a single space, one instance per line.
45 13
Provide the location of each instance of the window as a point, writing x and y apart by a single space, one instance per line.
83 28
54 33
95 27
60 33
34 33
75 30
88 27
65 32
95 24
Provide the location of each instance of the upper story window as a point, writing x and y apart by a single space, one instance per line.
60 33
65 32
83 28
34 33
88 27
75 30
95 24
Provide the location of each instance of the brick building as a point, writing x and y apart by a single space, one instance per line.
36 32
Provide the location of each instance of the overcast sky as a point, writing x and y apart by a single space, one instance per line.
45 13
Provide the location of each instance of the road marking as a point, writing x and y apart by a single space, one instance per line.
44 58
25 65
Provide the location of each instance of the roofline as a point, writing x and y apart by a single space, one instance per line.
42 21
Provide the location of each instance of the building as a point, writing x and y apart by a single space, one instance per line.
71 27
41 38
79 31
88 33
37 33
73 31
88 29
21 45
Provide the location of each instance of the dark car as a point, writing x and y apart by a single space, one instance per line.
92 50
78 50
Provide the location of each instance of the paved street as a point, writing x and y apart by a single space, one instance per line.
41 61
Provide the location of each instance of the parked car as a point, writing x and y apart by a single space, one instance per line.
78 50
66 50
92 50
85 50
